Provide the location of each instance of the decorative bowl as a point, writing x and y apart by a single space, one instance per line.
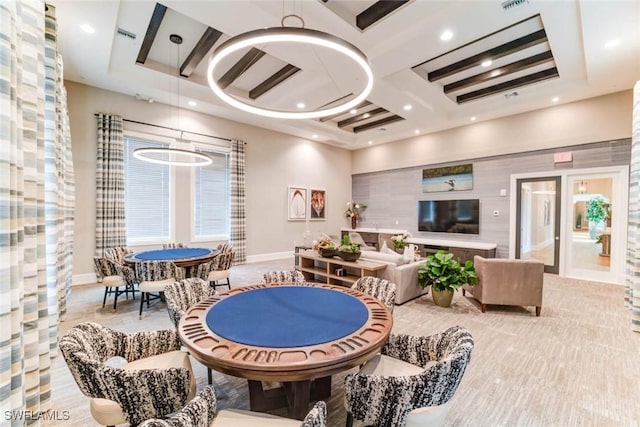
327 252
349 256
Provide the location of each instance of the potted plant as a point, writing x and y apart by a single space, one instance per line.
445 275
400 241
597 212
353 212
325 247
348 251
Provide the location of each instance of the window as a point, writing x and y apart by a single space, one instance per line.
211 198
147 195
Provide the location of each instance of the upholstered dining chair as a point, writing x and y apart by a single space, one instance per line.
281 276
117 279
153 276
203 411
420 373
357 239
173 245
182 295
117 253
219 268
225 247
381 289
129 377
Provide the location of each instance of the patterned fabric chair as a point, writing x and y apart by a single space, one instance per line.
184 294
225 247
153 276
173 245
117 254
219 268
381 289
202 412
117 278
281 276
412 376
155 378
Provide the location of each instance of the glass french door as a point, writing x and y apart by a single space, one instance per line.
538 208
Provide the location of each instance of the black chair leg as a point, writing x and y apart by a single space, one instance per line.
349 420
115 299
106 292
141 304
209 376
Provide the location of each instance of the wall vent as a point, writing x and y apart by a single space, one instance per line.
506 5
127 34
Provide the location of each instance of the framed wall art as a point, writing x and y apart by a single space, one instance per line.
448 178
297 205
317 204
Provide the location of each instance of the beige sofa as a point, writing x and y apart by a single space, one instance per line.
404 275
507 282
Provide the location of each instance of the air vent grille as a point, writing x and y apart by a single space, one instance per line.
127 34
506 5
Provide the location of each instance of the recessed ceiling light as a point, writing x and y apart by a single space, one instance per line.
612 43
315 135
446 35
370 142
366 115
300 105
193 103
555 99
407 107
353 111
87 28
417 131
473 118
495 73
486 63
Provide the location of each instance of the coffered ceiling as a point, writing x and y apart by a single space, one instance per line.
501 58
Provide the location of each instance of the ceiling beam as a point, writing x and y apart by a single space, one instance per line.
512 68
505 49
247 60
364 116
376 12
378 123
333 116
206 42
278 77
511 84
152 31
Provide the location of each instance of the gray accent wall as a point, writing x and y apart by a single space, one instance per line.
392 196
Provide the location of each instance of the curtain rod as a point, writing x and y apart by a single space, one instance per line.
174 129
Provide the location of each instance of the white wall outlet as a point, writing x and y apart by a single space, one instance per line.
503 192
496 213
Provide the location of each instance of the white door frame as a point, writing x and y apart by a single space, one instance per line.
620 196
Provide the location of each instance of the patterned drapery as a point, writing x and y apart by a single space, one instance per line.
35 249
110 217
632 294
237 203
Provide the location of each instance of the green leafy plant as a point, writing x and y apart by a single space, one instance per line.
597 209
347 246
443 273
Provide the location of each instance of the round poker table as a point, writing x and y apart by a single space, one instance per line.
294 334
182 257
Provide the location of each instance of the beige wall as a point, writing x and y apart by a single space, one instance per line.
597 119
273 161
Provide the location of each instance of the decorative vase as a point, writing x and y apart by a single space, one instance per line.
354 222
442 298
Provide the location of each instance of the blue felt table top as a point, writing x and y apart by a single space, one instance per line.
287 316
172 254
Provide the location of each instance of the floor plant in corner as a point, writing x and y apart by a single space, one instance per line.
445 275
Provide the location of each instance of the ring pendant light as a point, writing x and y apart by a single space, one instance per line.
289 35
170 155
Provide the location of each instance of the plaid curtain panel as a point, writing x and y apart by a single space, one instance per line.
35 163
237 224
632 293
110 217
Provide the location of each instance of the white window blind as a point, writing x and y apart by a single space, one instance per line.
147 195
211 201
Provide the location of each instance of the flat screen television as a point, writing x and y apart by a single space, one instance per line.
449 216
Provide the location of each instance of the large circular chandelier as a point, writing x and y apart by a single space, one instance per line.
290 35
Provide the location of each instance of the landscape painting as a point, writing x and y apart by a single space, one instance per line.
449 178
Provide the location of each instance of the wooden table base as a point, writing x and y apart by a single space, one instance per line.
295 395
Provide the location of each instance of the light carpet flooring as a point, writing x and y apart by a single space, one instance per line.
576 365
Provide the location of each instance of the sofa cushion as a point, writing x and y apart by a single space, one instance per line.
393 258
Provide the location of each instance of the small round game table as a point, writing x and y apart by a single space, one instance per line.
298 335
181 257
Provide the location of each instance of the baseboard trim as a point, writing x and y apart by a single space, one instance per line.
83 279
268 257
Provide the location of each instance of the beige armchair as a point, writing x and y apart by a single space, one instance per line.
507 282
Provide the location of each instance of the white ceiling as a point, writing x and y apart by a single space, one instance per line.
577 33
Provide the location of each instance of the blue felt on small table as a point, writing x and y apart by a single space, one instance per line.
172 254
287 316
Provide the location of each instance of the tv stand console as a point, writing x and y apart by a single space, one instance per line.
460 249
